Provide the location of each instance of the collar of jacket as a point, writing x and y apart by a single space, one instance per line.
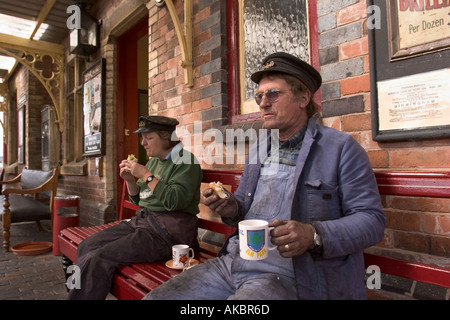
260 149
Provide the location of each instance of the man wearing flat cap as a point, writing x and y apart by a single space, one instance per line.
323 203
168 195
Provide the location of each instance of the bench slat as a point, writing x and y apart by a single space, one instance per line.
133 273
157 271
67 247
81 232
216 227
123 289
71 236
414 184
410 270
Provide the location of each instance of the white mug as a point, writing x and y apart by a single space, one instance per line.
254 239
181 255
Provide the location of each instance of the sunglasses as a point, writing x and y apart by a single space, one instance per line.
272 95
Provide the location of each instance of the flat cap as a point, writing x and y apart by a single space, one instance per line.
156 123
282 62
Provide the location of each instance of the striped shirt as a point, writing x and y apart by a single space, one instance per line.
289 149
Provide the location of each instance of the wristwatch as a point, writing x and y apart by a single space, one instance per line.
149 179
317 241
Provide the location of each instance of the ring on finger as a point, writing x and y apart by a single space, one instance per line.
286 247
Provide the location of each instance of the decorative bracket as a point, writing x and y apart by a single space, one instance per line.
4 109
184 38
32 54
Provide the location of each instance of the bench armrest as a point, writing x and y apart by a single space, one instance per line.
12 181
50 184
9 191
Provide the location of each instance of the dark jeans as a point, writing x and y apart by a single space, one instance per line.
98 256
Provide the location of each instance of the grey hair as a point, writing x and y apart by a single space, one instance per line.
298 87
171 138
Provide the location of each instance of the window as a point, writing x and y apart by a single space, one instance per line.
264 27
73 161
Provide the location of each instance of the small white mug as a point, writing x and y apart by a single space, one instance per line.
254 239
181 255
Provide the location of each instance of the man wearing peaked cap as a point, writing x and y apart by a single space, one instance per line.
281 62
167 192
156 123
315 187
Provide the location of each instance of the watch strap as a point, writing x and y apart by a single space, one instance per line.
149 178
318 242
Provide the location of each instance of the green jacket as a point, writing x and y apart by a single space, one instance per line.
178 188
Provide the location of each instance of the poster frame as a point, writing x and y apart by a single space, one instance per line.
93 121
383 68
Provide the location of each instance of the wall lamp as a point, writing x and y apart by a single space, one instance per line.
84 40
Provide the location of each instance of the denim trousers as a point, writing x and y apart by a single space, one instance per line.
215 280
98 256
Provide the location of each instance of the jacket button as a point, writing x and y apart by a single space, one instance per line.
249 194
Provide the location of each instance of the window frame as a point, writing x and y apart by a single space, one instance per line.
73 161
233 57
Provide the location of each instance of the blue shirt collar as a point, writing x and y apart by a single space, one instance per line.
177 148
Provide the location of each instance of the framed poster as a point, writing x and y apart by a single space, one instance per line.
93 109
408 77
266 27
21 135
417 27
415 101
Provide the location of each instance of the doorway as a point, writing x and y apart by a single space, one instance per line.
132 91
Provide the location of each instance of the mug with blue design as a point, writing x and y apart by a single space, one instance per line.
254 243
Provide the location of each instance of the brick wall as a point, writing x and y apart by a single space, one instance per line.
31 94
206 101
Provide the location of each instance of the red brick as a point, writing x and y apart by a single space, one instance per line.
354 48
437 157
366 63
388 239
436 224
356 122
352 13
173 63
404 221
412 241
203 81
355 85
378 158
333 122
436 205
173 102
201 105
201 15
183 109
200 37
192 117
440 246
366 141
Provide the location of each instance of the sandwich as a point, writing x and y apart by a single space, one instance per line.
219 190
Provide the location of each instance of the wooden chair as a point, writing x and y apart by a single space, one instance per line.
32 201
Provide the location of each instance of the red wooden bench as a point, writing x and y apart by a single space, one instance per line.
134 281
411 184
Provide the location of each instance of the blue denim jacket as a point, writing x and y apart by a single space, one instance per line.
336 190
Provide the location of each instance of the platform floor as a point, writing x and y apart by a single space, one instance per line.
30 277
